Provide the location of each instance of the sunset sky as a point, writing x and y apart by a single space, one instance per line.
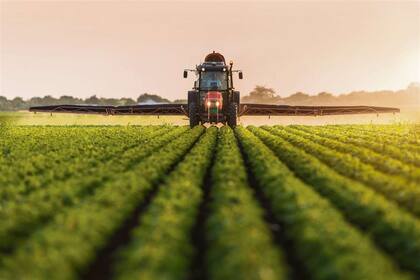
123 49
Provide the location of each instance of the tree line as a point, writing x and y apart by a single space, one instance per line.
19 103
409 97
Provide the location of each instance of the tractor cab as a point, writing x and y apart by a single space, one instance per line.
213 73
213 98
213 80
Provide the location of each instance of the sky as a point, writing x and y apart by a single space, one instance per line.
123 49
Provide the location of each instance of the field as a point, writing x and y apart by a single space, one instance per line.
169 202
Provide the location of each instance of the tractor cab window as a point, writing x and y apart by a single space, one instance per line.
213 80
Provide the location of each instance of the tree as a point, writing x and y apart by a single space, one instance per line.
126 101
154 98
298 98
5 104
92 100
261 94
49 100
66 99
109 101
323 98
18 103
35 101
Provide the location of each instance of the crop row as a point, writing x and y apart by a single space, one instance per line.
325 243
18 217
399 147
378 160
406 139
67 245
388 132
62 157
72 165
239 242
177 203
160 247
393 229
406 193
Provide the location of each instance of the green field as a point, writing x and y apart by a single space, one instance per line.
169 202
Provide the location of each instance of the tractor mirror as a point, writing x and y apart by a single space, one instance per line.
241 76
185 74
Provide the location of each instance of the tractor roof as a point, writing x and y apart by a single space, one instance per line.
212 66
215 57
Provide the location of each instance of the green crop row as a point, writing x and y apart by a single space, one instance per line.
398 151
164 202
67 245
28 141
406 193
161 248
62 157
408 141
70 164
384 129
391 134
326 245
239 242
395 230
379 161
19 217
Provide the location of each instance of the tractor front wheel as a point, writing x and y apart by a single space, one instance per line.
233 114
192 115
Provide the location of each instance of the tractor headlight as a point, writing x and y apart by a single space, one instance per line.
217 103
208 103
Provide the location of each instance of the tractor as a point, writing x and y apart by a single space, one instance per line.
213 99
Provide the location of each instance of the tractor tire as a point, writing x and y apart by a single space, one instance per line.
232 114
192 115
192 96
236 97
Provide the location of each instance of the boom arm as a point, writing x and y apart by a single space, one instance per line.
245 109
152 109
286 110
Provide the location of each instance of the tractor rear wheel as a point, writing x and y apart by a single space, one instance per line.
233 114
192 114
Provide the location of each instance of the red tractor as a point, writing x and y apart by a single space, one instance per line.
213 98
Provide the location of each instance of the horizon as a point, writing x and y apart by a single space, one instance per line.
415 84
125 49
